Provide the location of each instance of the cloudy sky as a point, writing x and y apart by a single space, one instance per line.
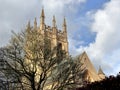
93 26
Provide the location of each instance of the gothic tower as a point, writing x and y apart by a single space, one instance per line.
56 37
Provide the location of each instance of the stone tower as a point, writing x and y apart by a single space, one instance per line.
55 36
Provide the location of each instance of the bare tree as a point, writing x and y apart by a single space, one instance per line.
8 77
35 65
67 74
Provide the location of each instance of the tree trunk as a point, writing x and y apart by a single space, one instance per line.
33 83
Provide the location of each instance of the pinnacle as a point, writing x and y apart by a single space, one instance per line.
64 23
35 21
54 19
28 24
42 13
100 71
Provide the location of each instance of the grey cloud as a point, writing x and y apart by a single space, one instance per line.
14 15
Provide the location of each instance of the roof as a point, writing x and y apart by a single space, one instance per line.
89 67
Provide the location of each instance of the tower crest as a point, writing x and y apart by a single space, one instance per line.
55 36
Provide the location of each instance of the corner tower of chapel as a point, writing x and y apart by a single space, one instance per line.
56 37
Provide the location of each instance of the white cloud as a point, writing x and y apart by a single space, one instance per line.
72 46
60 4
14 14
60 8
105 51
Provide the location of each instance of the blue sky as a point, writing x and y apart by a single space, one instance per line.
94 4
85 34
93 26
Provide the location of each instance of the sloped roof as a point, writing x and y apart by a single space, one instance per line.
89 67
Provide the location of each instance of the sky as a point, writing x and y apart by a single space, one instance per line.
92 25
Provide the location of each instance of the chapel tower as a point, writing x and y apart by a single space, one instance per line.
56 37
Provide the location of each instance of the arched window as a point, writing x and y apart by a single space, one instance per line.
59 46
59 52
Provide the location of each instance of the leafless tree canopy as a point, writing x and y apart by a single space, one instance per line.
35 66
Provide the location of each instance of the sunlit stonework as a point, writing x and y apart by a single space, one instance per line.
91 74
59 37
56 37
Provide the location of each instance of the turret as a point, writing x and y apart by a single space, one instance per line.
54 25
64 26
65 29
101 74
28 26
65 36
54 21
35 24
42 20
100 71
28 29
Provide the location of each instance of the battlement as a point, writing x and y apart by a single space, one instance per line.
50 30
